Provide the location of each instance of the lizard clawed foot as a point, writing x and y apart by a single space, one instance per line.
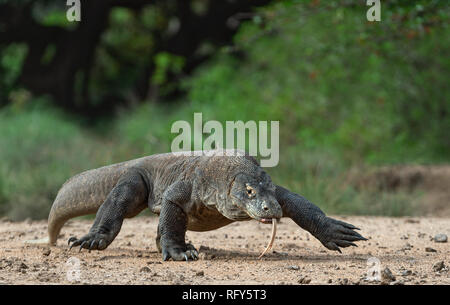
91 241
180 254
337 234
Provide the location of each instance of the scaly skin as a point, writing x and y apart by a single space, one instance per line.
188 192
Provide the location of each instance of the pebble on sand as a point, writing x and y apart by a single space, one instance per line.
387 276
294 267
440 238
438 266
304 280
145 269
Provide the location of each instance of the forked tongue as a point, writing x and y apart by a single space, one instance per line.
274 232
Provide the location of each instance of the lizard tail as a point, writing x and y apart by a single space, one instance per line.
67 206
81 195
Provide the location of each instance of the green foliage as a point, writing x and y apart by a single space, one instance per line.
11 61
166 64
40 148
338 82
144 130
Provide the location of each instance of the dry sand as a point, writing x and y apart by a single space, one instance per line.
229 255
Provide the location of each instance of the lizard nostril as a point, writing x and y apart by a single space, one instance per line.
265 208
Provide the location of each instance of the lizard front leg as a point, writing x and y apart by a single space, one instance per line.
332 233
173 223
126 199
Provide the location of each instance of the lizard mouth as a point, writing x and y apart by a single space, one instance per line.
266 219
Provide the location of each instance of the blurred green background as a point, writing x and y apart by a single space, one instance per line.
351 95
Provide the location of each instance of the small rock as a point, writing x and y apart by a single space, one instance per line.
407 246
151 262
304 280
406 272
330 281
398 282
440 238
23 266
294 267
200 273
46 252
145 269
438 266
428 249
280 253
409 220
387 276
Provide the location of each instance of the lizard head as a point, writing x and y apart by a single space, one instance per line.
256 196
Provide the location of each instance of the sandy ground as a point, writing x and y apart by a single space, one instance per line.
229 255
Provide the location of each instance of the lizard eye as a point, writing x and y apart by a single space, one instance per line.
250 191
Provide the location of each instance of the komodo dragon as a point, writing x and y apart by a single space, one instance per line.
188 192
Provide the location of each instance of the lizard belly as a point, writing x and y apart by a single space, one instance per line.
206 219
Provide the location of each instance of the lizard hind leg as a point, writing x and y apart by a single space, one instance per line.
126 199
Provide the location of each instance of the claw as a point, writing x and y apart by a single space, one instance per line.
71 240
332 246
82 245
101 244
359 236
193 254
185 257
347 237
76 243
352 234
91 246
345 243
